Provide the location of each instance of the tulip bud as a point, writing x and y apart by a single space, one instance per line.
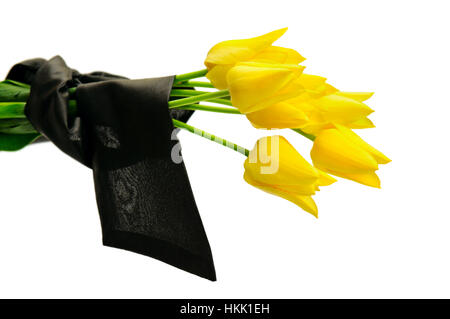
254 86
224 55
234 51
341 109
278 116
278 55
290 176
341 152
289 113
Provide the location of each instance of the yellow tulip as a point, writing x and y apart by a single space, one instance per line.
317 108
287 113
341 109
254 86
224 55
336 108
341 152
234 51
278 116
279 55
290 176
362 121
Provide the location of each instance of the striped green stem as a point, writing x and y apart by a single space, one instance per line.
211 137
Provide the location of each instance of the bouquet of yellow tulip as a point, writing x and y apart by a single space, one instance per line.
265 83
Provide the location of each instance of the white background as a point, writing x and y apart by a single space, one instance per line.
392 242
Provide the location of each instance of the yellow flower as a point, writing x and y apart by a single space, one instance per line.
224 55
341 152
317 108
275 167
278 116
344 108
288 113
254 86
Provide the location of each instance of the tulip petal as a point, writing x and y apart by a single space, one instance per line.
298 189
348 133
325 179
367 178
357 96
361 123
313 82
218 76
233 51
304 202
274 54
341 109
314 128
254 86
329 89
278 116
333 151
275 161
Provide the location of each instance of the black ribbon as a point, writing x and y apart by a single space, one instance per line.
123 131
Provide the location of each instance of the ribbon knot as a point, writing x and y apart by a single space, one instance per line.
123 131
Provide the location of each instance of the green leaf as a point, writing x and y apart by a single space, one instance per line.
16 126
22 128
11 91
15 142
12 110
16 131
8 123
24 85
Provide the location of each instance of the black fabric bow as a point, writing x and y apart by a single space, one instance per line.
123 131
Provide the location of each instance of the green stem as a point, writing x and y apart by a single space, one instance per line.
198 98
185 93
218 109
190 84
227 110
309 136
15 110
190 75
211 137
188 93
221 101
